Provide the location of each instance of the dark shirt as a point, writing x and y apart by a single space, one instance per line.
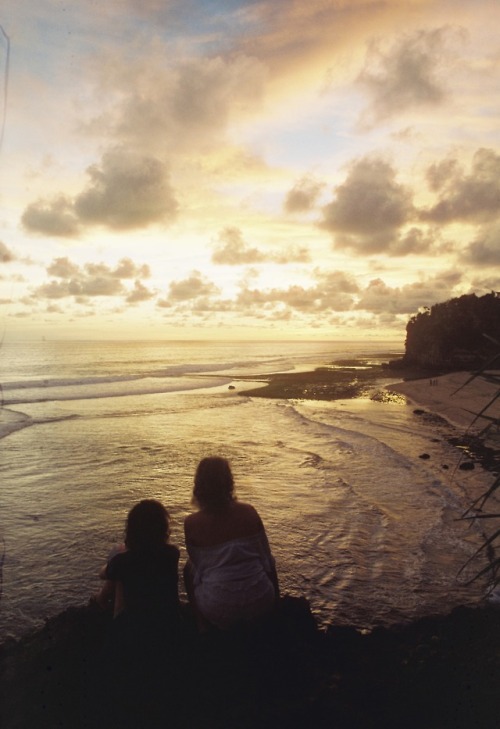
150 581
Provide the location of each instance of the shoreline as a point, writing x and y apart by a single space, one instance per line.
449 397
342 379
456 400
452 398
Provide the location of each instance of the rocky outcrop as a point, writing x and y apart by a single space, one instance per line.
459 334
439 671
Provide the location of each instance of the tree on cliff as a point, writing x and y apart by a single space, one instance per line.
455 333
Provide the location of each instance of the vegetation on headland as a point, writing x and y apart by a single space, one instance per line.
458 334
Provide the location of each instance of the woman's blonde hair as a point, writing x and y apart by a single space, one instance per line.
213 483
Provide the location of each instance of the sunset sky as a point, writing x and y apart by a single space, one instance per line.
197 169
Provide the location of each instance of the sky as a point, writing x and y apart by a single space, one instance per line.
237 169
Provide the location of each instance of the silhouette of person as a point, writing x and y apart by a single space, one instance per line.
230 575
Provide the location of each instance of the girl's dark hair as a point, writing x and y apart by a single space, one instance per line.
213 483
147 525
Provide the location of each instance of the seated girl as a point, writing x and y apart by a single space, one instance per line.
142 652
230 576
142 579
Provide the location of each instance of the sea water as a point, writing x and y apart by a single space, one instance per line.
358 523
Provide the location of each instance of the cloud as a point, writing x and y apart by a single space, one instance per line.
6 255
232 250
92 279
52 217
404 76
291 254
164 303
296 297
369 208
83 286
440 173
126 268
333 291
332 282
139 293
379 298
473 197
485 285
126 191
303 196
206 303
414 241
63 268
485 250
207 89
190 288
185 106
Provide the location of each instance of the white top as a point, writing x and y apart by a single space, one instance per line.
231 580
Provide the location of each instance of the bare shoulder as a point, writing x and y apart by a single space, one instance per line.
247 513
205 529
192 521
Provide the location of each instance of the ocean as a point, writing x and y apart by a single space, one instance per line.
358 523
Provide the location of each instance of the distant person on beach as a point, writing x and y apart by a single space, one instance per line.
230 576
141 579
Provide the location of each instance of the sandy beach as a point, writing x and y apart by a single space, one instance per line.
443 396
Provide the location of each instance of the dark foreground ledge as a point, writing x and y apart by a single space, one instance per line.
438 672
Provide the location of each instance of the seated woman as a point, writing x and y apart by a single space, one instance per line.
143 578
230 576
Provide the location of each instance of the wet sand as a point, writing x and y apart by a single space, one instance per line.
335 382
454 398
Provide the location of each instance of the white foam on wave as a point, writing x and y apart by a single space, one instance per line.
97 388
350 440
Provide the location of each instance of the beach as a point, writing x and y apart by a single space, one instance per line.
455 397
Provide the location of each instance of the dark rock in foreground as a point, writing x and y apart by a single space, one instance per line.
437 672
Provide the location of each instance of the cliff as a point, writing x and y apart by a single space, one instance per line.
462 333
